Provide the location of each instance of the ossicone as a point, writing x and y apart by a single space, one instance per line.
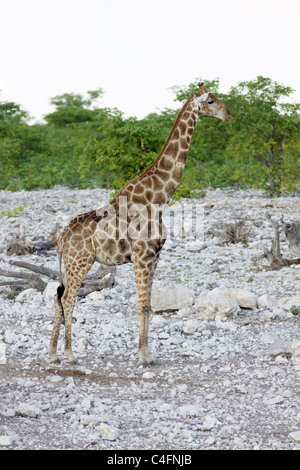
202 88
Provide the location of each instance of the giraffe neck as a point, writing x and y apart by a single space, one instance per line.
170 163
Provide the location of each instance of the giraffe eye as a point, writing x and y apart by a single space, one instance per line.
210 102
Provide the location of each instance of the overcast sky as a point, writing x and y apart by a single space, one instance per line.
137 49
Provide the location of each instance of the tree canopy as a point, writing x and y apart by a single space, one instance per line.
81 144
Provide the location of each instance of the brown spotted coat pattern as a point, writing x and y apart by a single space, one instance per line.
81 244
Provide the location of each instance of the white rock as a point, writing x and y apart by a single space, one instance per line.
189 410
190 326
278 399
92 439
227 431
148 375
49 293
294 347
95 296
296 363
277 347
107 432
186 312
2 353
209 423
214 304
25 409
225 325
195 246
6 441
284 348
157 321
29 295
288 302
10 337
165 407
55 379
266 301
171 298
295 435
266 338
244 298
164 335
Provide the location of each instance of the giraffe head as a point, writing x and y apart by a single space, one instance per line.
209 105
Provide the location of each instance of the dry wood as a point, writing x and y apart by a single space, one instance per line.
103 277
274 255
20 247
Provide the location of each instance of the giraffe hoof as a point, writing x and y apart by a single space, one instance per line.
146 363
73 361
55 360
145 360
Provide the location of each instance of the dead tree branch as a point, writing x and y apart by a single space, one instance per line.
274 255
103 277
20 247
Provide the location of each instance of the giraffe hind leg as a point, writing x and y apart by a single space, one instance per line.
64 305
59 313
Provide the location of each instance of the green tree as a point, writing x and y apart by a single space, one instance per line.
259 148
72 108
124 147
20 143
265 140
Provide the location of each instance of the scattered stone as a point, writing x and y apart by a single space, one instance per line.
28 410
7 441
208 423
216 367
29 295
49 293
148 375
277 400
171 298
195 246
189 410
284 348
295 435
288 302
107 432
191 326
212 304
186 312
163 335
266 301
10 337
2 353
244 298
158 321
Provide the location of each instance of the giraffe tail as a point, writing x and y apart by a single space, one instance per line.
61 287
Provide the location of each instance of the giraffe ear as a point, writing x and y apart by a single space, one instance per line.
202 88
203 97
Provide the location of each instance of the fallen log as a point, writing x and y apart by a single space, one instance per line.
20 247
102 278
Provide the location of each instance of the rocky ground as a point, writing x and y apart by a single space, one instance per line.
225 337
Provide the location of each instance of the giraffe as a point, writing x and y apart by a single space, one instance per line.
122 231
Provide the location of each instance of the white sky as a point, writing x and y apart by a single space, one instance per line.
136 49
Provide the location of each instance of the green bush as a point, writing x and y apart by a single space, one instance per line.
82 145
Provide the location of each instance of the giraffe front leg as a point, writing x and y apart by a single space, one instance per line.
143 351
143 279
